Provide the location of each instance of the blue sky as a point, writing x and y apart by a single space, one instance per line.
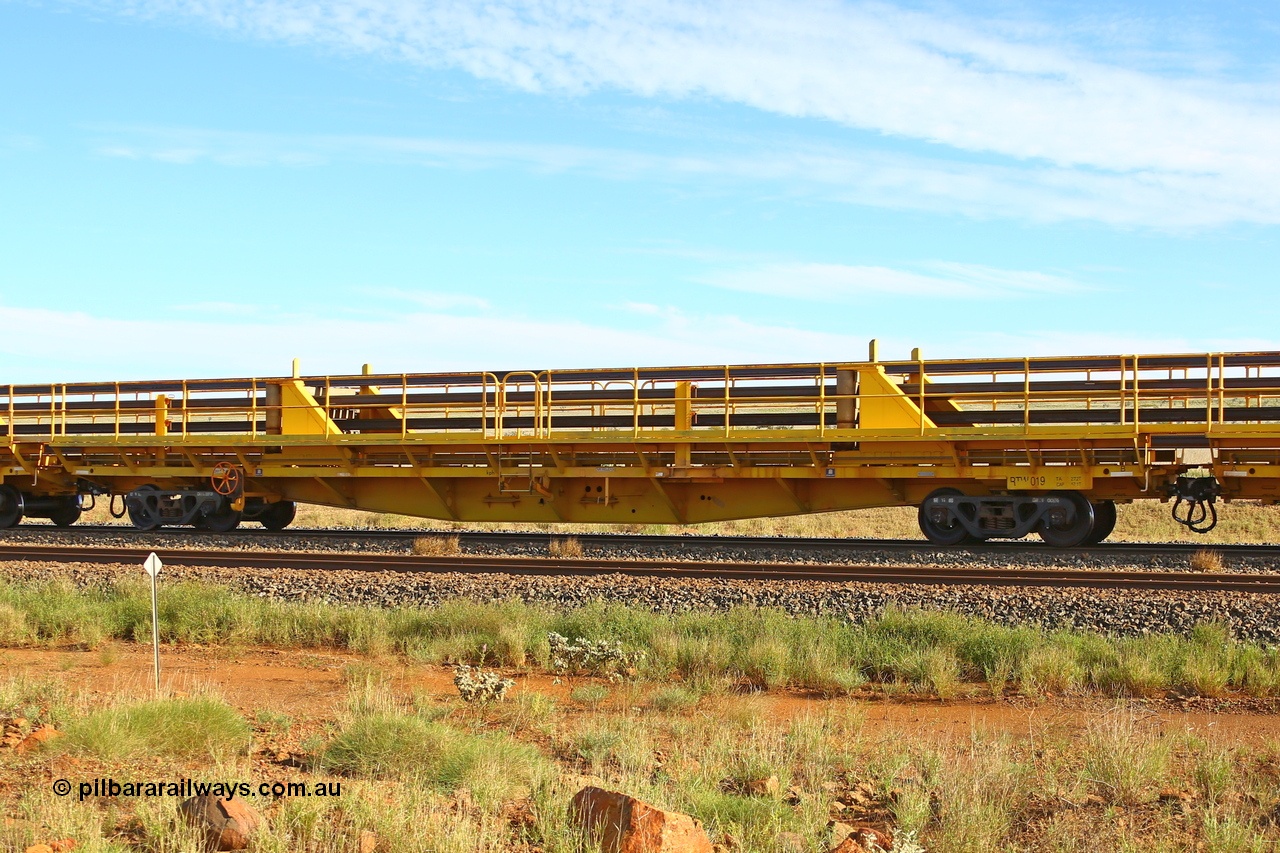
214 187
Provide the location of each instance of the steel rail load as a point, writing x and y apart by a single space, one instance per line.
984 447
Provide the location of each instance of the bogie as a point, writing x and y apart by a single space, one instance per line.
1063 519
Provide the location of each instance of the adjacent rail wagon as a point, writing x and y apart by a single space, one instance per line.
985 448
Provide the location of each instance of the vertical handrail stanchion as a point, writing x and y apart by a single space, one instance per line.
1026 396
1208 392
728 401
1124 389
253 407
1222 387
185 395
116 434
822 400
635 402
920 378
328 399
1137 402
546 406
404 405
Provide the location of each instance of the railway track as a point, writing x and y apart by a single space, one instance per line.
641 541
838 573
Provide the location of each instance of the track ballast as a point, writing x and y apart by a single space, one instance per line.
558 566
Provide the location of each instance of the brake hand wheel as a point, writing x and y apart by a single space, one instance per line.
227 479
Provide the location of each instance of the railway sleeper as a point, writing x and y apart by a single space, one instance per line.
1061 518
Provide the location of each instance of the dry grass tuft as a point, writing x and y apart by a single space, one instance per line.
567 548
436 546
1206 560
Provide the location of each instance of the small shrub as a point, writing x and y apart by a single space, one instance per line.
569 548
591 695
479 685
436 546
595 657
1206 560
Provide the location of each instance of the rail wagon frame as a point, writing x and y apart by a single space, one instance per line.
985 447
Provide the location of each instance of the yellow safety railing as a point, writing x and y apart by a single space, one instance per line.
1208 392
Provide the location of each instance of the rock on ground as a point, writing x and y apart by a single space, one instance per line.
623 824
227 824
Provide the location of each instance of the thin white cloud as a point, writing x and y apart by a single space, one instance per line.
425 342
432 301
18 143
964 85
847 283
860 177
416 342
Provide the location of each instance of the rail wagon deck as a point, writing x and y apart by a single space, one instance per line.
985 447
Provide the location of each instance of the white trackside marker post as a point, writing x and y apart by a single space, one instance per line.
153 566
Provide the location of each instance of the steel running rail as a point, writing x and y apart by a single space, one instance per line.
557 567
650 541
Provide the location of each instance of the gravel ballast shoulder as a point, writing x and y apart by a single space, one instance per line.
1250 616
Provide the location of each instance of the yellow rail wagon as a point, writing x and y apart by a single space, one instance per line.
985 448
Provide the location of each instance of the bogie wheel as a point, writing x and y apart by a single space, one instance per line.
68 514
1104 521
140 520
937 524
10 507
222 522
1061 533
279 515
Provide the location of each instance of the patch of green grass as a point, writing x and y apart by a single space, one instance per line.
1120 762
409 748
938 653
39 701
14 629
596 745
590 695
191 727
273 721
671 699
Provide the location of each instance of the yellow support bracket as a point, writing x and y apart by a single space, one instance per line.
301 413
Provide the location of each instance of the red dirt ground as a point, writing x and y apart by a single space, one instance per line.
308 685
